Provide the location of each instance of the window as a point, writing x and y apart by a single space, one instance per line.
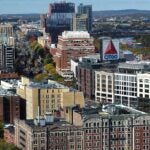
42 141
146 96
146 86
35 142
141 80
86 124
141 85
98 94
141 90
146 81
146 91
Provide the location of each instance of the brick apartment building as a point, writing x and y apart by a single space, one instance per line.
72 45
86 76
47 133
115 127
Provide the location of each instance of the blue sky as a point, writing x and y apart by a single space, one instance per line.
41 6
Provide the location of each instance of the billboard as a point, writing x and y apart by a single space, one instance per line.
110 48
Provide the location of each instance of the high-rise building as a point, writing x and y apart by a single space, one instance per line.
7 56
86 9
80 22
43 20
72 45
59 19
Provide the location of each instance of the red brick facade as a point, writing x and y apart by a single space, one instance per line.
10 108
70 48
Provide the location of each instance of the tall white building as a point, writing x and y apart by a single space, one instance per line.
104 87
126 82
125 89
143 85
130 82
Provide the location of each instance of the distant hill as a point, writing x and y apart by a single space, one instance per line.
128 12
15 17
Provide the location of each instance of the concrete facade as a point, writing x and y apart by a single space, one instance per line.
104 87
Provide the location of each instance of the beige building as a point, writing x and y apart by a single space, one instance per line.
73 98
21 90
6 29
49 97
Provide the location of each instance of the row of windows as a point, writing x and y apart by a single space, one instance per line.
142 85
95 144
144 80
125 78
37 142
51 96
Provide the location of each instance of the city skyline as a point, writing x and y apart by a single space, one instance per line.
20 6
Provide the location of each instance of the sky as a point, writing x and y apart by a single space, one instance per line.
41 6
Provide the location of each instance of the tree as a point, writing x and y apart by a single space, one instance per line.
40 77
6 146
48 59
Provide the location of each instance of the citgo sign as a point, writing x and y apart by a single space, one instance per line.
110 56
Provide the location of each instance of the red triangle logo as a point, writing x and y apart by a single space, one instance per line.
110 48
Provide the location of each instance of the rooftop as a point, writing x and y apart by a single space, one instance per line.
13 82
118 109
135 65
31 123
4 92
113 111
51 85
75 34
10 127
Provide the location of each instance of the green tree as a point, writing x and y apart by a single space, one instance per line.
6 146
40 77
48 59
